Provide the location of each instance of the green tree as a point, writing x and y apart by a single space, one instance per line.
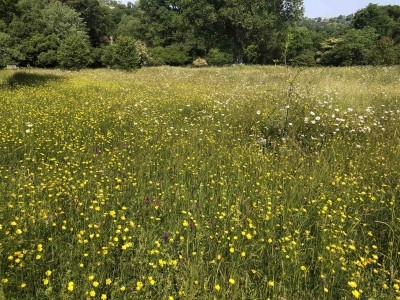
74 52
126 55
62 21
356 47
9 53
374 16
95 17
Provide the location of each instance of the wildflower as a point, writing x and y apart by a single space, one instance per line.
45 281
23 285
103 297
352 284
231 281
48 273
356 294
139 285
70 286
271 283
218 287
303 268
95 284
92 293
108 281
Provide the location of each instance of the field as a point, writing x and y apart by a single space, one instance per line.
217 183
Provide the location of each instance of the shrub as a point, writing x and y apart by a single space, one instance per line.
108 56
48 59
126 55
304 60
217 58
200 63
157 56
74 52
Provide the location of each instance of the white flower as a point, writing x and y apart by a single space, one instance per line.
258 112
318 118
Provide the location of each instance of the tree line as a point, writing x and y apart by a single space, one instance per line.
75 34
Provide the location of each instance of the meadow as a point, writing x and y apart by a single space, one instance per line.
216 183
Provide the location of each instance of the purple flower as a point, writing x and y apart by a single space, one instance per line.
165 236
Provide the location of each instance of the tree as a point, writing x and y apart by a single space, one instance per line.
374 16
62 21
95 17
356 47
123 54
9 54
74 52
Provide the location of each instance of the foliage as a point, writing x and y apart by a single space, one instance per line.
356 47
9 54
177 32
126 54
74 53
215 57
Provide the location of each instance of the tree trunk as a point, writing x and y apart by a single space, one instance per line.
238 44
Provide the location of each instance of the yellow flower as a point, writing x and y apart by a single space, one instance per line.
108 281
303 268
139 285
352 284
232 281
95 284
23 285
92 293
103 297
356 294
218 287
326 290
122 288
45 281
48 273
271 283
70 286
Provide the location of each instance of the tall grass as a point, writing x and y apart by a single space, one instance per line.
176 183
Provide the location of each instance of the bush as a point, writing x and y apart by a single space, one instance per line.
217 58
173 55
74 52
251 54
126 55
143 52
157 56
304 60
176 55
200 63
47 59
108 56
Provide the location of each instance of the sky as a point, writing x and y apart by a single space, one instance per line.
332 8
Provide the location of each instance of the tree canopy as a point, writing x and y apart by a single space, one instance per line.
176 32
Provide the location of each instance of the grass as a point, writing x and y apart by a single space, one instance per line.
217 183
